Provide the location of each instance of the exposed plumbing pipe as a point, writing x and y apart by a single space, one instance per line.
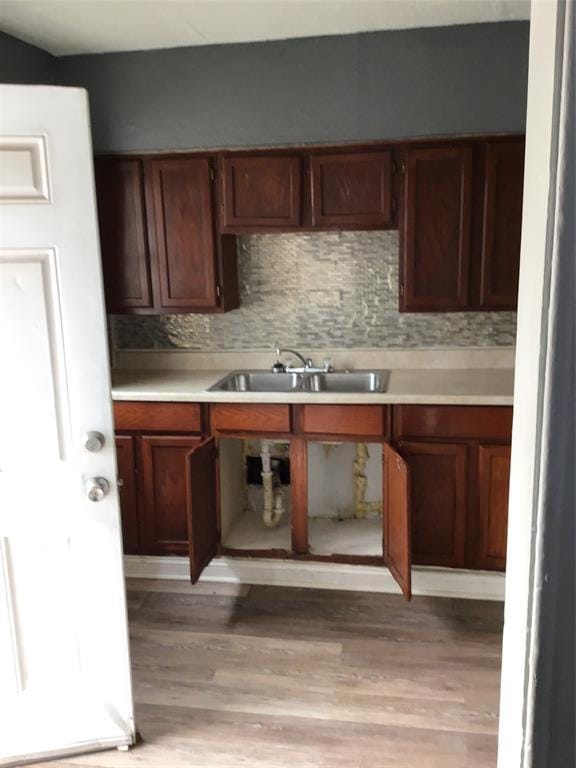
273 496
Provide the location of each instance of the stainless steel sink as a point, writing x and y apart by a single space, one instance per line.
355 382
258 381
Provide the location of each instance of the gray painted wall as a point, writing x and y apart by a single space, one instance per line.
23 63
467 79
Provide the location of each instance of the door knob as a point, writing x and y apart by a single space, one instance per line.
93 441
97 488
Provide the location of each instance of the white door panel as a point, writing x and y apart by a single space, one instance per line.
64 661
23 169
30 302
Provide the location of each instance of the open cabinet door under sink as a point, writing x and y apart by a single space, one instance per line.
202 506
203 517
397 524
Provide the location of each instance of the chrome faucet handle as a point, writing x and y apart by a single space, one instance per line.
327 365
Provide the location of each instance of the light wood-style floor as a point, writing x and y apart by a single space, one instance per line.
267 677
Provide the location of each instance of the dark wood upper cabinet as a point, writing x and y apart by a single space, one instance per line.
438 493
123 236
126 461
460 226
494 479
202 502
161 252
264 193
167 231
351 191
435 229
182 232
501 225
261 192
396 519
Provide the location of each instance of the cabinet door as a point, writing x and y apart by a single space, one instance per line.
435 229
123 237
438 494
201 507
261 193
352 190
396 519
502 225
164 511
493 479
125 459
180 196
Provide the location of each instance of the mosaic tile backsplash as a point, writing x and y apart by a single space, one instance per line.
337 289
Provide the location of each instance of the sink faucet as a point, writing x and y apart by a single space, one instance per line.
307 364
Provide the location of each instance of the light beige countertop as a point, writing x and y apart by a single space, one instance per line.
421 386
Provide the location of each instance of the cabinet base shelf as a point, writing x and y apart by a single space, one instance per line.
426 581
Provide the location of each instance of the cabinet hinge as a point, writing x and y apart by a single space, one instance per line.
393 166
403 167
212 174
401 289
218 291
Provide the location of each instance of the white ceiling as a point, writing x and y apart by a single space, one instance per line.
96 26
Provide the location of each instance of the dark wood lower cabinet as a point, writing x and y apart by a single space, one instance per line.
445 489
438 484
360 421
165 418
494 479
164 508
126 460
459 459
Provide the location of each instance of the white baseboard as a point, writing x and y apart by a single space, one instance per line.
426 581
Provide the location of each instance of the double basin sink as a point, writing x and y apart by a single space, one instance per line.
353 382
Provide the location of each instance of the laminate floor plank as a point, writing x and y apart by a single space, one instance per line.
265 677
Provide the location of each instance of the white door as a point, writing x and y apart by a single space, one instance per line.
64 661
